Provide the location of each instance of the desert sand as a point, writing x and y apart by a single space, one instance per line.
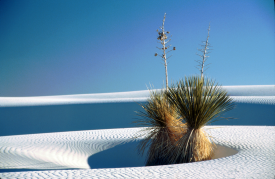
65 152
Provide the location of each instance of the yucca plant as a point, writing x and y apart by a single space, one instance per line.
198 101
164 129
175 121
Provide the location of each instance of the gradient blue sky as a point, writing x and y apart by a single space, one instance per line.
58 47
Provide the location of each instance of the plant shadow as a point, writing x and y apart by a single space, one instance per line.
126 155
123 155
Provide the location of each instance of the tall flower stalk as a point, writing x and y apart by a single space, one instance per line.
205 50
163 40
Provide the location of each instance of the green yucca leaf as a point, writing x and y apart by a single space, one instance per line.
199 101
175 117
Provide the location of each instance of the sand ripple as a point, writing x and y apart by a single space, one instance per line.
255 157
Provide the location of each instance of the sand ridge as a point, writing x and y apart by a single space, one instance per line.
255 157
257 94
72 150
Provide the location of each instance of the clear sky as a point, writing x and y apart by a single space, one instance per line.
59 47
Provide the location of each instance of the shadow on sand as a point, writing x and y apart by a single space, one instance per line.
123 155
126 155
76 117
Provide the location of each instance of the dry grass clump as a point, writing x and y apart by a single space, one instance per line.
193 146
165 129
176 118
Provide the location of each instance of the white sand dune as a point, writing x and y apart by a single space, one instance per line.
58 150
255 157
262 94
87 149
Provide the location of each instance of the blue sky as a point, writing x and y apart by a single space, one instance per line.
59 47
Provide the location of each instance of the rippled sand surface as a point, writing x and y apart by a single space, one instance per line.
83 152
255 157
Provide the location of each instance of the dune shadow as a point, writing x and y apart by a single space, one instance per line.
123 155
61 118
249 114
75 117
126 155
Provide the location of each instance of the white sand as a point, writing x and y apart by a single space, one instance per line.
255 157
260 94
255 144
